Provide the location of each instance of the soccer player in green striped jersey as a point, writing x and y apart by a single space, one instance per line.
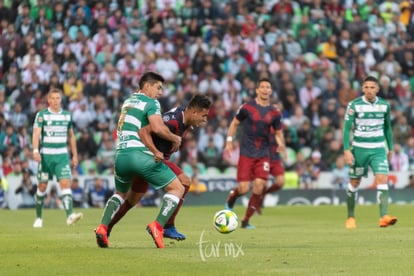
367 118
51 130
133 158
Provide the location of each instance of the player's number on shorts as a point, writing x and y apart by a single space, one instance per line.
266 166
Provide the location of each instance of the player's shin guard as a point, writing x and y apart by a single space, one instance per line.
254 204
171 221
382 198
351 195
67 201
112 206
168 206
40 198
123 209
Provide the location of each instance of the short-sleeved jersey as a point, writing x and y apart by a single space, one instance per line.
256 123
174 120
371 123
134 115
54 133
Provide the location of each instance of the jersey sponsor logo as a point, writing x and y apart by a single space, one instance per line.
44 175
371 108
359 170
361 114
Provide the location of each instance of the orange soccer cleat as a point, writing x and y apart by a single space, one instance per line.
387 220
102 236
350 223
157 232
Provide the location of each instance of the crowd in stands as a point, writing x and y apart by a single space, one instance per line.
315 52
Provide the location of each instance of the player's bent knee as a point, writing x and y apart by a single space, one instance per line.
175 187
184 179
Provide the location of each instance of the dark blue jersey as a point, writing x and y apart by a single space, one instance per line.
256 123
174 120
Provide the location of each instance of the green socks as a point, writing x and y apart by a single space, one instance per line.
112 206
40 198
351 195
382 197
67 201
168 206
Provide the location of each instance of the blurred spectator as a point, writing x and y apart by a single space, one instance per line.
3 191
211 155
409 150
8 138
12 79
305 135
307 180
331 152
308 93
27 189
83 117
197 187
401 130
17 118
410 182
77 194
98 193
210 85
105 155
52 199
318 164
86 146
399 161
340 177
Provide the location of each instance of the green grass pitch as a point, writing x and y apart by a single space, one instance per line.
298 240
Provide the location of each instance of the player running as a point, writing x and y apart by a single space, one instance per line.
256 119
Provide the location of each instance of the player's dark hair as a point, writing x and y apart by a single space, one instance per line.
371 78
151 78
199 101
263 80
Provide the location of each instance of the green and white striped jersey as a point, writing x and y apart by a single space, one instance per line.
371 124
134 115
54 134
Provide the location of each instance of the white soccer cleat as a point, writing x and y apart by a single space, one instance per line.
74 218
38 223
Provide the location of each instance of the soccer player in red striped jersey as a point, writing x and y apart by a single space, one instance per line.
256 119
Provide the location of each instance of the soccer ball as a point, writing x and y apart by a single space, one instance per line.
225 221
